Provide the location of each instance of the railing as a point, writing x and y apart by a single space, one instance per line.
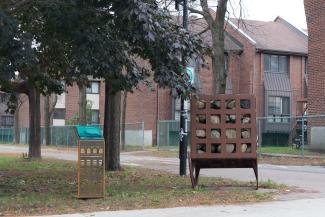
63 136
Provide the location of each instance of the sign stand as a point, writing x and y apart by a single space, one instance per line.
91 162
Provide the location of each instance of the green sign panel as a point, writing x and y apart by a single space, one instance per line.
190 72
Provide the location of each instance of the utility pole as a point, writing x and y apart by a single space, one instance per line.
183 112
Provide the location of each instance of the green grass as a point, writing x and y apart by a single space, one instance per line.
286 150
49 187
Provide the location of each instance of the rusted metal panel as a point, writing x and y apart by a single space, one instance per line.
223 133
226 127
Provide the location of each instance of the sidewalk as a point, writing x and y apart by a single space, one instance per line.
295 208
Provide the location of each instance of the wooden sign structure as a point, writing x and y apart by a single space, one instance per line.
91 167
223 133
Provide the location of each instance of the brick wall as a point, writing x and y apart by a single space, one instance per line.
71 101
315 17
142 106
247 73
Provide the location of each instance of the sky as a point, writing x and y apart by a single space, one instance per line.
268 10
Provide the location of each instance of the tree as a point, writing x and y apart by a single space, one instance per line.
17 55
49 106
215 23
82 116
103 38
106 46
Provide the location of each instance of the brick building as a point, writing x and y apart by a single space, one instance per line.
315 17
266 59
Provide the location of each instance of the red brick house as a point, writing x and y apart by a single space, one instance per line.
266 59
315 17
273 68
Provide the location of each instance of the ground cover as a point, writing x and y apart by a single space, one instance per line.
49 187
287 150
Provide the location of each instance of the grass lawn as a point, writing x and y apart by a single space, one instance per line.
49 187
287 150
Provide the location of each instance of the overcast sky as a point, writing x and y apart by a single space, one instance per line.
268 10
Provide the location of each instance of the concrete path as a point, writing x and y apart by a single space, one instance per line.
295 208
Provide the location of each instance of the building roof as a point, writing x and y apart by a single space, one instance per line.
197 25
276 36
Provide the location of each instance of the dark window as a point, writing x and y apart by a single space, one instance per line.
93 88
3 98
7 121
59 113
278 107
226 63
275 63
94 117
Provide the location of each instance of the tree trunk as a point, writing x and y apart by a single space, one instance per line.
112 129
216 26
123 116
34 123
47 120
16 125
82 105
218 51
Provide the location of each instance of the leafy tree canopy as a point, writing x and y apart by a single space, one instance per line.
103 38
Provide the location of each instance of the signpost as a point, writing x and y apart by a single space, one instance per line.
183 133
91 160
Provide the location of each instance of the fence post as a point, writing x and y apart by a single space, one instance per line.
9 129
167 134
142 126
158 133
303 135
67 140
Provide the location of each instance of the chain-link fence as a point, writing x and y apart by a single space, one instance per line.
168 134
291 135
276 135
63 136
134 136
6 135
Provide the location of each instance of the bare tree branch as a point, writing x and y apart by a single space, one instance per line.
193 10
204 31
206 12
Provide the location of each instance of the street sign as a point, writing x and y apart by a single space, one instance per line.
190 72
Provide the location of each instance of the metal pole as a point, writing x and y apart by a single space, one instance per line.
158 133
142 125
302 136
183 136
